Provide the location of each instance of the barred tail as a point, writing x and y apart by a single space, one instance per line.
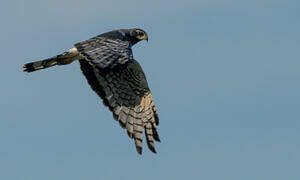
62 59
33 66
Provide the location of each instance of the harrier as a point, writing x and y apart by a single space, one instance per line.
107 63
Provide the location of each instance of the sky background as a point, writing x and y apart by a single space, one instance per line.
224 75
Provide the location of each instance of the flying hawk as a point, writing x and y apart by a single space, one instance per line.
107 63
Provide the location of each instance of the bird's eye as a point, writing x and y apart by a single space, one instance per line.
140 33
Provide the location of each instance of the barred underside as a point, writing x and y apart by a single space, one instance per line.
125 91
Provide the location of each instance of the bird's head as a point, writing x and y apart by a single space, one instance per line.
136 35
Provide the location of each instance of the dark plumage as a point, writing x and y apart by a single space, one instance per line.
107 63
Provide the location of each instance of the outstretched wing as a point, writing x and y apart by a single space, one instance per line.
104 52
124 89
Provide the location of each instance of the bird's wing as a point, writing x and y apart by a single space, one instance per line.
124 89
105 53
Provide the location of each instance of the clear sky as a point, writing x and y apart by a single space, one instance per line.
224 75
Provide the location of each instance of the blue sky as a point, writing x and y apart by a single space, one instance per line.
224 75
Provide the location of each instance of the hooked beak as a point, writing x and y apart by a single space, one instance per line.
145 37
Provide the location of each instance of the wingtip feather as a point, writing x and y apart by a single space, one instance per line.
139 150
152 149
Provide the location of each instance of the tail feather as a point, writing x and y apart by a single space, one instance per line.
62 59
37 65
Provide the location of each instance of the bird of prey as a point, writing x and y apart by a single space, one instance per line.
107 63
